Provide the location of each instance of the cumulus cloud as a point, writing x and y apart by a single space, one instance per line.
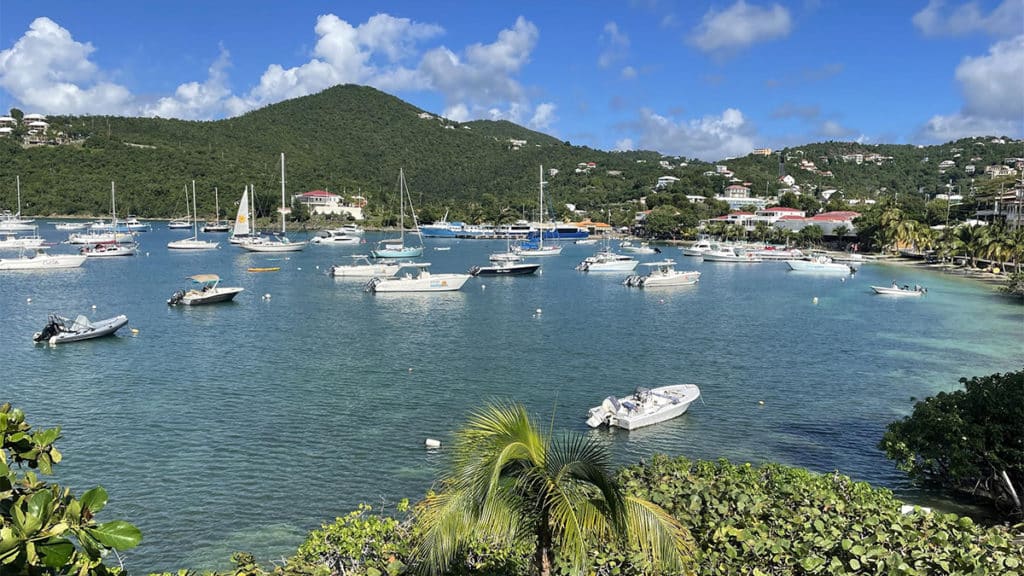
194 100
739 26
614 44
935 20
543 116
708 138
624 145
991 85
49 72
628 73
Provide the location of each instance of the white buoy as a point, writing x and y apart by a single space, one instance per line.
135 331
539 311
483 286
432 444
814 300
29 300
93 306
147 254
317 266
410 369
299 268
266 296
760 402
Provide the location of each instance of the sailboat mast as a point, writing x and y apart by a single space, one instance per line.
282 192
540 210
17 181
195 212
216 204
401 204
113 209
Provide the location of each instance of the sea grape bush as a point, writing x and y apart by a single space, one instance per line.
773 519
44 529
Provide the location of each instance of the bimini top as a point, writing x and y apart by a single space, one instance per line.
205 278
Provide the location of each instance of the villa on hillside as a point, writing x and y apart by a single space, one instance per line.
323 202
827 221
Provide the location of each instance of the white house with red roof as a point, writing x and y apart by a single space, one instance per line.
827 221
776 212
323 202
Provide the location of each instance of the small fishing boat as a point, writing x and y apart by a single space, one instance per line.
896 290
663 273
505 268
644 407
362 267
820 264
206 290
59 329
607 261
336 236
42 261
423 281
641 248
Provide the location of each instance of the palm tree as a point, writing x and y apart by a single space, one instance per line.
510 481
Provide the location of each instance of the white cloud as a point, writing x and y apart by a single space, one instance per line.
543 116
739 26
615 44
991 86
1005 20
834 130
192 100
709 138
624 145
628 73
49 72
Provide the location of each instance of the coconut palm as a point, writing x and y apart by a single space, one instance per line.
511 481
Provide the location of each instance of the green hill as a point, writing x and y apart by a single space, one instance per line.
353 139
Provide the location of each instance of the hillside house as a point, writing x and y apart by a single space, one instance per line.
827 221
323 202
665 182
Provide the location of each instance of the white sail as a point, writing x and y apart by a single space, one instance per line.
242 219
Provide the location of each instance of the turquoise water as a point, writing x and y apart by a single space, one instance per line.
243 426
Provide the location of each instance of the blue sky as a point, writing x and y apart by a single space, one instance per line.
709 80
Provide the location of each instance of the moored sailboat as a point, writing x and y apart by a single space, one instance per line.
396 247
193 243
280 242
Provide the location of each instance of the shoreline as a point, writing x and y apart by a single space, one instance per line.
990 278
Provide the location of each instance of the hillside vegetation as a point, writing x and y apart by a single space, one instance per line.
353 139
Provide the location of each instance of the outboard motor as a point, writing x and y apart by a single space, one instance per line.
176 298
50 330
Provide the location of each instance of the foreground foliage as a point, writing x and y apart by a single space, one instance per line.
40 523
970 440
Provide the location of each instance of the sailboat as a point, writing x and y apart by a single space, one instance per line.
14 222
243 232
181 223
111 248
395 247
280 243
217 225
529 248
193 243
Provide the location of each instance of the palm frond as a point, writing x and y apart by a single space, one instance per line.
576 521
657 534
580 459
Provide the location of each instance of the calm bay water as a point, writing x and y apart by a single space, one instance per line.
243 426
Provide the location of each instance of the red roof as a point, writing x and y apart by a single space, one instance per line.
318 194
781 209
840 215
791 217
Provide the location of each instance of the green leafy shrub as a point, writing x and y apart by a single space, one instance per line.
774 519
44 529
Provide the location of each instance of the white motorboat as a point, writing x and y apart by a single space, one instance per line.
698 248
820 264
586 241
644 407
42 261
641 248
351 229
108 249
11 241
193 243
70 225
362 267
396 247
422 281
135 225
99 237
663 273
206 290
896 290
335 236
607 261
729 253
59 329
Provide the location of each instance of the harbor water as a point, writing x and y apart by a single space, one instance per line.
243 426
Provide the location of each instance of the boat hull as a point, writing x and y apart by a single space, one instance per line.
511 269
272 246
398 253
890 291
96 330
808 266
431 283
43 262
637 411
195 298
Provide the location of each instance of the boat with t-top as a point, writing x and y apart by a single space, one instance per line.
644 407
362 267
420 281
663 273
206 289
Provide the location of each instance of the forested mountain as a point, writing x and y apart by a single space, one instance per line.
353 139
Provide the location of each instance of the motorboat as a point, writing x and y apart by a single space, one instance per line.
729 253
586 241
108 249
206 290
505 268
644 407
193 243
820 264
778 253
641 248
335 236
698 248
421 281
11 241
100 237
70 225
896 290
42 261
396 247
607 261
362 267
59 329
351 229
135 225
663 273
